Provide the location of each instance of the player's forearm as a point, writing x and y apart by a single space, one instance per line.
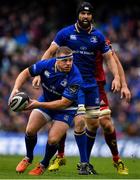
47 55
112 65
50 52
58 104
121 71
21 79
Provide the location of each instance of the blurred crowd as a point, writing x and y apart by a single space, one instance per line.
25 34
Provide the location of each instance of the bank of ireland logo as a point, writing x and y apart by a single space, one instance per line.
73 37
93 39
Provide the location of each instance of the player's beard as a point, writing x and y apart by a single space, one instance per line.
84 24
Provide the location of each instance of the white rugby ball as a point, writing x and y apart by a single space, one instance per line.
19 101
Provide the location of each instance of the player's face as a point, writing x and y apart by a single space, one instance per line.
85 19
65 65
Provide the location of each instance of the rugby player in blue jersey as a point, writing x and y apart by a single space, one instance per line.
61 81
85 41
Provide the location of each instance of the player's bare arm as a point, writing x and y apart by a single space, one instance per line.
113 68
125 92
54 105
50 52
21 79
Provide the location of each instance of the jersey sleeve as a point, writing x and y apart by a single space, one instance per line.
71 92
38 68
103 46
74 84
60 38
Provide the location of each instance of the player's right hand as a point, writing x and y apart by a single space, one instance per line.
36 82
116 85
13 93
126 94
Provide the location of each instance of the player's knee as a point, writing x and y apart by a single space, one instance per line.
53 140
93 113
78 127
79 123
104 120
107 125
92 125
31 132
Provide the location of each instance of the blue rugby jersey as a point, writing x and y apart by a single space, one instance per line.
85 46
56 84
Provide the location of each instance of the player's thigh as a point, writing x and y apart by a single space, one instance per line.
92 98
36 121
92 124
104 104
105 112
57 131
92 103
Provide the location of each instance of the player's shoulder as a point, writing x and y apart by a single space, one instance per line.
97 32
75 68
47 62
75 71
75 76
97 35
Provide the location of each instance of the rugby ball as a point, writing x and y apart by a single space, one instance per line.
19 101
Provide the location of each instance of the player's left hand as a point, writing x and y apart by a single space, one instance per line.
36 82
125 93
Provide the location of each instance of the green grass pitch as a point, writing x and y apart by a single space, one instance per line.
102 165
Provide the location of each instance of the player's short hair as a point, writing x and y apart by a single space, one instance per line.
85 6
65 50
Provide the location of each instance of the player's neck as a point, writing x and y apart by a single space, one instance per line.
84 29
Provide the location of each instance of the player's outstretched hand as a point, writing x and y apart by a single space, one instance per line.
36 82
126 94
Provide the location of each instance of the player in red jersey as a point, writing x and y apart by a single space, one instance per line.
105 117
105 112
